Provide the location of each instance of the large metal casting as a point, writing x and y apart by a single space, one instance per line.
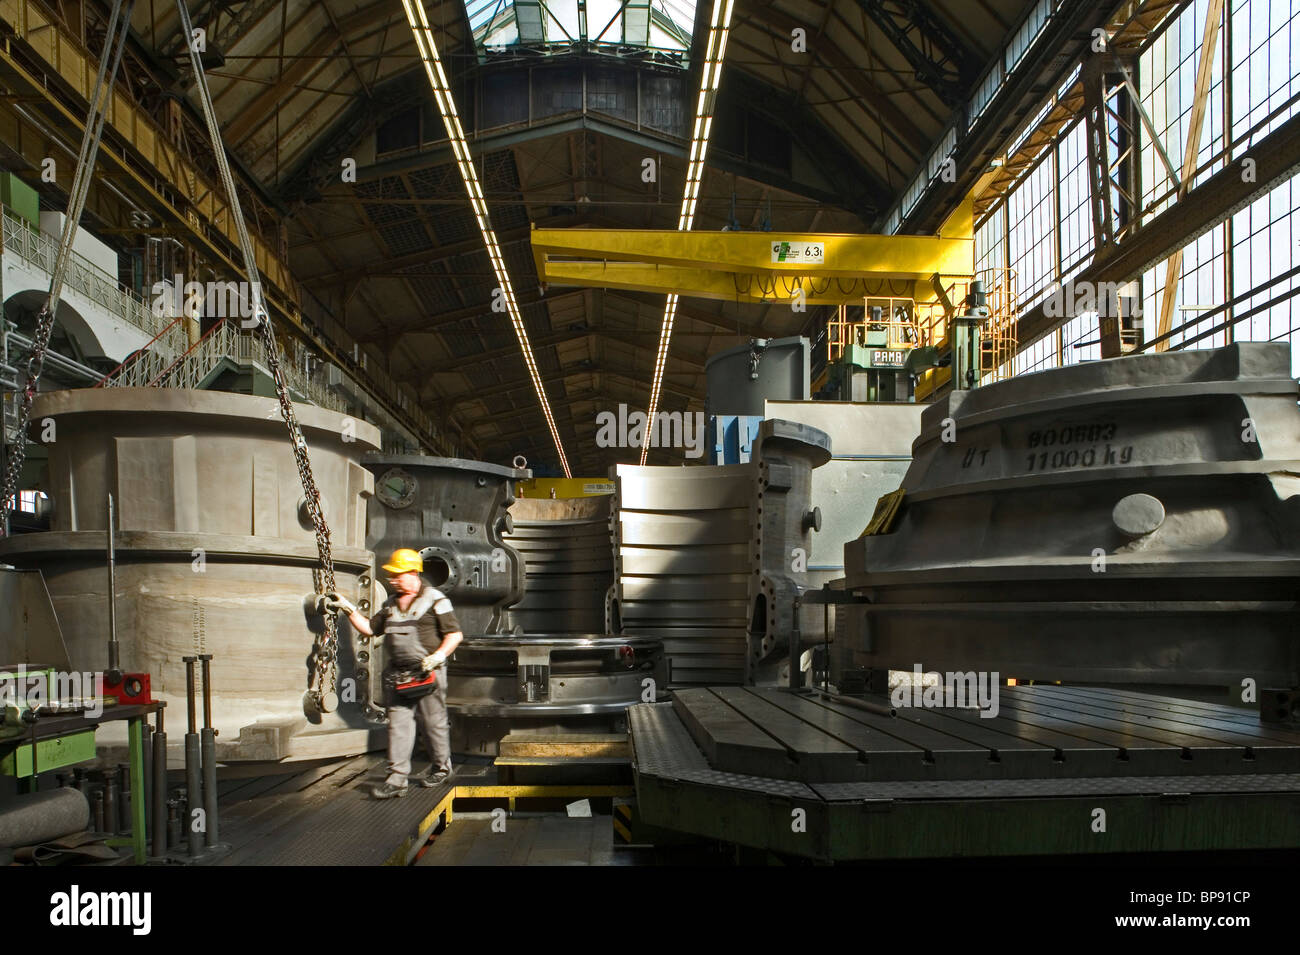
710 559
454 513
549 682
1130 520
871 445
784 522
546 674
214 549
740 379
569 565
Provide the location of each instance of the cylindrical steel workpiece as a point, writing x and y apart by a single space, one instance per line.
208 746
189 692
195 474
146 793
205 673
159 805
193 768
193 797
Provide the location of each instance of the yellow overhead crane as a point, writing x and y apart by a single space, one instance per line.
934 271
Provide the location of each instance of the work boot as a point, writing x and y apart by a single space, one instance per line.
434 777
388 791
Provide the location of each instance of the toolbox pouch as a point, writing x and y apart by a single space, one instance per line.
412 685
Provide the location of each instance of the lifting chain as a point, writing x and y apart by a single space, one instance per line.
109 59
322 692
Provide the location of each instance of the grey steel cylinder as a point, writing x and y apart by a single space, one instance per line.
214 551
208 748
39 817
454 513
784 521
681 538
158 782
146 758
706 557
193 793
740 379
568 564
1132 520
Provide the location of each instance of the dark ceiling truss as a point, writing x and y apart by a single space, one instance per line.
906 141
250 14
942 61
855 188
860 190
322 167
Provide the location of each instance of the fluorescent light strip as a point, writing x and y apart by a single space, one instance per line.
423 33
710 78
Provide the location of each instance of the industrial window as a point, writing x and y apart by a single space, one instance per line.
1047 218
1265 236
1038 356
1075 200
1168 79
1264 48
663 25
1031 237
1201 287
991 241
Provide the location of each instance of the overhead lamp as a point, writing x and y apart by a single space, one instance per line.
710 78
428 49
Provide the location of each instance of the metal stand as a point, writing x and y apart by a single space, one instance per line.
159 803
212 836
193 769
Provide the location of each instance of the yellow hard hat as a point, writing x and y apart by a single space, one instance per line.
404 561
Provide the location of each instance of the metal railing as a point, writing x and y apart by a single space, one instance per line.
168 339
225 341
82 275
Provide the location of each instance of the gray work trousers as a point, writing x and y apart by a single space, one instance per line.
430 712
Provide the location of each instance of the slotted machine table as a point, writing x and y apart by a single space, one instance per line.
1058 770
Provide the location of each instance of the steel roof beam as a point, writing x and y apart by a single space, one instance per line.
941 60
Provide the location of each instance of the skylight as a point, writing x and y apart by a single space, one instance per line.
661 25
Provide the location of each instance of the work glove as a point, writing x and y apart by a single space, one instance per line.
336 603
433 660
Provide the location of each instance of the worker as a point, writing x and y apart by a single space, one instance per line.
420 632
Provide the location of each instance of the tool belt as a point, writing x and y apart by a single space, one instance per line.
408 686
